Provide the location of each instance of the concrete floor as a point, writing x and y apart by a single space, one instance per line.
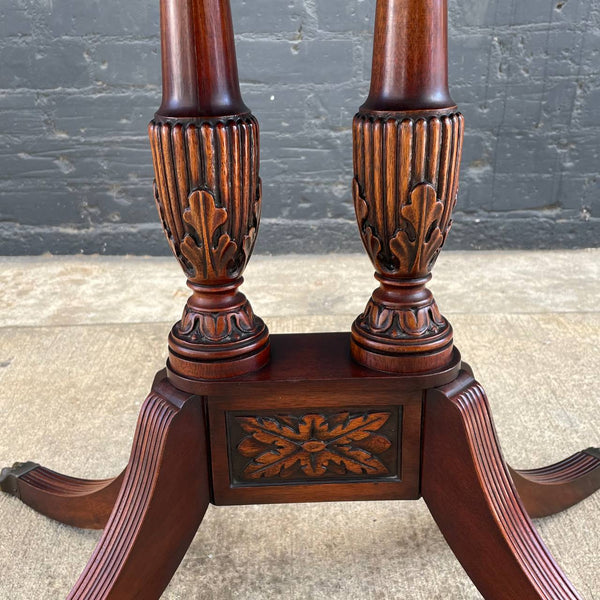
81 337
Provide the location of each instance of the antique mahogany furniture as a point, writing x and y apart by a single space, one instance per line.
386 412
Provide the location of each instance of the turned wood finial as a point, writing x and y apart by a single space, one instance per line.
410 56
199 67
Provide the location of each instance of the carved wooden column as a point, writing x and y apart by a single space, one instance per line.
407 148
205 152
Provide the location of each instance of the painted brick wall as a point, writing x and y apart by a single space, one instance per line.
79 80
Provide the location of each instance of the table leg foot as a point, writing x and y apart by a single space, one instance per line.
161 503
84 503
550 490
468 489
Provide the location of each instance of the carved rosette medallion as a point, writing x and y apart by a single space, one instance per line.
406 168
315 446
208 194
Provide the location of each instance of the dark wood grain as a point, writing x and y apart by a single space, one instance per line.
410 56
552 489
83 503
208 196
384 412
164 496
311 445
307 361
468 489
199 68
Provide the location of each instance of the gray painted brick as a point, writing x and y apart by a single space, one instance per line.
301 201
582 152
581 194
27 202
590 56
539 55
80 79
542 193
508 12
518 153
587 108
346 15
102 17
21 115
135 63
269 16
276 107
473 60
44 66
283 62
14 20
106 115
333 109
303 157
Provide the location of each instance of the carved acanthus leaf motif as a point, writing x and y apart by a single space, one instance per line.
208 262
360 204
371 241
314 444
161 214
250 237
399 324
218 326
421 240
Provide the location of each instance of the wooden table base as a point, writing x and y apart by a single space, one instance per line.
314 426
386 411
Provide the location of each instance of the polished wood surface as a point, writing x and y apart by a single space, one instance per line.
550 490
329 441
84 503
311 360
407 145
199 68
161 503
205 152
468 489
410 57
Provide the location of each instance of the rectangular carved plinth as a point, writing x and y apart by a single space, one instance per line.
289 449
314 426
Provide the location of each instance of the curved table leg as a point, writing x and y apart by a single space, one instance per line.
555 488
84 503
161 503
467 487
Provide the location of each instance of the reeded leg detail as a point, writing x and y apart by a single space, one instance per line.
550 490
468 489
84 503
164 496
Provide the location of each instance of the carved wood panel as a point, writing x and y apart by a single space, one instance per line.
405 187
208 193
406 167
314 445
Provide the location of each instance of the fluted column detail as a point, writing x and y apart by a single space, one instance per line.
407 150
208 195
405 187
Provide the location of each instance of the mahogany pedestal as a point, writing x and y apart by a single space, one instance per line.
315 426
384 412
